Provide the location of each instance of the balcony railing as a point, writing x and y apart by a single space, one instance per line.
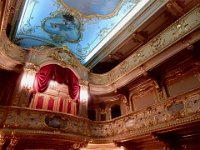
168 114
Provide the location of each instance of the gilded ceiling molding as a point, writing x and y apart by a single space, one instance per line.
7 48
181 28
10 49
11 55
168 114
8 63
144 14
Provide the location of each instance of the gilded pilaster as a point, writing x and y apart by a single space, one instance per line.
24 86
83 106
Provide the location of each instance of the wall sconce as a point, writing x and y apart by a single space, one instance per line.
28 79
53 84
84 93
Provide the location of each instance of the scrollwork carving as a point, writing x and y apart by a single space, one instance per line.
64 57
55 122
175 110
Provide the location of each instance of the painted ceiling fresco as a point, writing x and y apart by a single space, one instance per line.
83 26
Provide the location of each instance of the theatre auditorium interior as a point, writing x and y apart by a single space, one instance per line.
99 75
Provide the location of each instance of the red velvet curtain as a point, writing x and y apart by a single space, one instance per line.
43 77
59 74
72 80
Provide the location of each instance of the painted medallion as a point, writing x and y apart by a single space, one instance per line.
62 27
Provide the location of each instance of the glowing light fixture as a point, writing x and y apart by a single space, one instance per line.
84 93
28 79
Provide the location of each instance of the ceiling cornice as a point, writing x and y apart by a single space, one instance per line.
7 48
139 19
131 68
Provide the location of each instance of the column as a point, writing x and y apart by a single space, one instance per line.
83 105
125 106
109 114
24 88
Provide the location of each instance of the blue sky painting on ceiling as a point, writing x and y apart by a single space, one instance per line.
51 23
92 7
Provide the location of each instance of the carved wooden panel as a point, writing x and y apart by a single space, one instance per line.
143 101
186 77
183 85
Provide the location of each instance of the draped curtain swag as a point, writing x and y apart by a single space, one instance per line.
59 74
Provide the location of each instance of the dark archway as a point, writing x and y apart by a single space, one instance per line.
115 111
92 114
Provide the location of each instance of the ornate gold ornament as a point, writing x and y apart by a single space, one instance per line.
64 56
163 115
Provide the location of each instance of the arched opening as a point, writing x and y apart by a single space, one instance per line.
92 114
103 117
115 111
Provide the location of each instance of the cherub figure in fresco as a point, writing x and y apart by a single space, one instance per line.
68 24
64 26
